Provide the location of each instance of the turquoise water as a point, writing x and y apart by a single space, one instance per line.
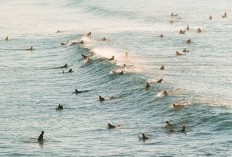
32 85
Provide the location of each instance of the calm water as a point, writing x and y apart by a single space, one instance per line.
31 85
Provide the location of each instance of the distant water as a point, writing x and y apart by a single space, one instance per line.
32 84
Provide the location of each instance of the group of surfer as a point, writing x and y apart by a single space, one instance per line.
28 49
101 99
165 93
169 126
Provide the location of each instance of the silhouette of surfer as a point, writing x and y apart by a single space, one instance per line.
162 67
183 130
188 41
70 71
101 99
77 91
144 137
60 107
40 138
30 49
84 56
64 66
160 80
112 58
177 106
147 86
110 126
89 34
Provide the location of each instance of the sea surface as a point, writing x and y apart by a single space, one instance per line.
32 84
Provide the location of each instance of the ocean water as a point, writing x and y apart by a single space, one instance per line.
32 84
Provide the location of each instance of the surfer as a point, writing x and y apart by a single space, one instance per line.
60 107
70 71
77 91
185 50
178 53
7 38
84 56
110 126
122 72
161 36
160 80
177 106
188 41
162 67
144 137
182 32
101 99
64 66
40 138
225 15
81 42
89 34
210 17
30 49
198 30
183 130
187 28
104 39
169 125
72 43
147 86
165 93
112 58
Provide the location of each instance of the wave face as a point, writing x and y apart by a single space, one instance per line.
32 84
